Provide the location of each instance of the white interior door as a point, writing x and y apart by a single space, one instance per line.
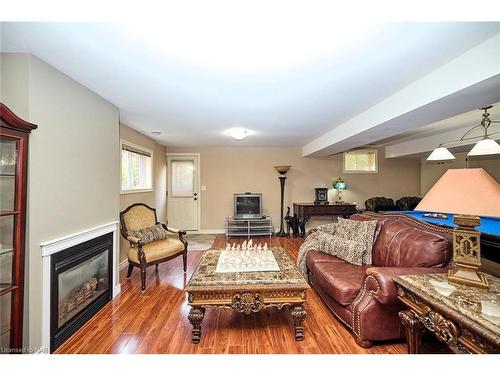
183 197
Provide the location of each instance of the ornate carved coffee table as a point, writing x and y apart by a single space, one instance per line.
454 316
246 292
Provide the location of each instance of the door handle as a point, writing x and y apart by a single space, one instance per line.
195 194
195 198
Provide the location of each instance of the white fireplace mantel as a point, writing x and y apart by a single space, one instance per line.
54 246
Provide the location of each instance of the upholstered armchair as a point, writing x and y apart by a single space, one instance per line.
377 204
138 217
408 203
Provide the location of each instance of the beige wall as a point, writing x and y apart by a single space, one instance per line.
73 162
431 171
229 170
158 196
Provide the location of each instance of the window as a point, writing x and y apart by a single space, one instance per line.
360 161
136 164
182 181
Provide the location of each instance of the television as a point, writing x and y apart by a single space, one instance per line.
248 206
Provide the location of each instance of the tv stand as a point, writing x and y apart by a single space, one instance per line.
249 227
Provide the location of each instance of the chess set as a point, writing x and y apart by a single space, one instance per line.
248 257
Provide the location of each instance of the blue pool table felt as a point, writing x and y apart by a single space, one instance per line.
489 225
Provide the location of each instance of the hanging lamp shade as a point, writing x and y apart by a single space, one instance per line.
485 146
440 153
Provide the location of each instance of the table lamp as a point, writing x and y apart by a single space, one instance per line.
468 194
340 185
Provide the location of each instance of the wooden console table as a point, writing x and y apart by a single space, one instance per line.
304 211
455 319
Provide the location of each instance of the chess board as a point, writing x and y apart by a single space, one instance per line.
246 261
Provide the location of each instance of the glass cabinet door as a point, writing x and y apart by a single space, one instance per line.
8 212
8 159
9 215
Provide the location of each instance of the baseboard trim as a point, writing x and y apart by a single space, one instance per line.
117 290
123 264
207 231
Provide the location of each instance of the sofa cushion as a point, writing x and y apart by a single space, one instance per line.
402 245
157 250
340 280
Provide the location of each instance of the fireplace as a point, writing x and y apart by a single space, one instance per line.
80 285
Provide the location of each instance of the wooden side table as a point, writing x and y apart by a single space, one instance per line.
455 319
304 211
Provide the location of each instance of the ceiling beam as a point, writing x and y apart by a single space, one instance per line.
426 144
465 83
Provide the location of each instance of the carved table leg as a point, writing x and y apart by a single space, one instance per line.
414 329
298 315
195 316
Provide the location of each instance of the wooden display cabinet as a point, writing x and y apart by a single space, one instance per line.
14 133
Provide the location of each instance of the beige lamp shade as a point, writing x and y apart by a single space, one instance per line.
282 169
464 192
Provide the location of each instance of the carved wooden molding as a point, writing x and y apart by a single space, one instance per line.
247 303
11 120
445 329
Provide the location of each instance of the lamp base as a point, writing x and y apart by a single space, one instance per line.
281 233
467 253
467 276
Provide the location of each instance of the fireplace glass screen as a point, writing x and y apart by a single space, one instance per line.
80 285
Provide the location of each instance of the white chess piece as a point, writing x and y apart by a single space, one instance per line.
265 246
238 247
244 246
259 248
250 243
228 247
233 247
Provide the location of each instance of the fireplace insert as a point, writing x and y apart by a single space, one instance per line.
81 284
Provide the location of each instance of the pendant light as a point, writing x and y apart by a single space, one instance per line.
485 146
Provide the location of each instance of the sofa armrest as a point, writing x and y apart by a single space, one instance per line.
380 280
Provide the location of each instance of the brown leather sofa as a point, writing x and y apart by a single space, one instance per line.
364 298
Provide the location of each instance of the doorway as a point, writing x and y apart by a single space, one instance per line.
183 191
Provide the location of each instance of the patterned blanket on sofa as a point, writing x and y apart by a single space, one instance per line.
320 240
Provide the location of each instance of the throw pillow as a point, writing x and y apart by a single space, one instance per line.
349 250
361 231
150 234
328 228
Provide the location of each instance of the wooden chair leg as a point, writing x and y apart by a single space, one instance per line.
184 260
129 271
143 278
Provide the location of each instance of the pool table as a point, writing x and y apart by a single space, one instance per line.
489 228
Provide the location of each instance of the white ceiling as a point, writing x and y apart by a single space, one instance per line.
286 81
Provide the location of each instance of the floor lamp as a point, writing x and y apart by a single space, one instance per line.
282 169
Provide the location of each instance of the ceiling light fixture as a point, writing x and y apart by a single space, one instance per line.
238 134
485 146
156 132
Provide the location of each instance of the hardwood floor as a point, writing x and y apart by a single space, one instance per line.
156 321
